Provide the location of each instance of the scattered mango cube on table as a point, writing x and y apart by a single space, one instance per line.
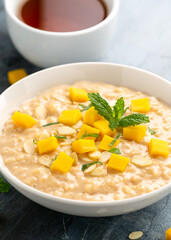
106 140
16 75
135 133
83 146
87 129
70 117
62 163
47 145
23 120
103 126
168 234
78 95
158 147
141 105
91 116
118 163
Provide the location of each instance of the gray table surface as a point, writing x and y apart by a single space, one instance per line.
142 39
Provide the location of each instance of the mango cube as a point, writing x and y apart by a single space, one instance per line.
70 117
135 133
23 120
118 163
62 163
103 126
87 129
91 116
47 145
104 144
78 95
168 234
16 75
158 148
141 105
83 146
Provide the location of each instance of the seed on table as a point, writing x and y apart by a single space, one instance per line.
135 235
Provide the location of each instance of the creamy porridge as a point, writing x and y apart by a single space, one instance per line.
75 154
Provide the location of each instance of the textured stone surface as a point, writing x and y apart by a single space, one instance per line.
142 39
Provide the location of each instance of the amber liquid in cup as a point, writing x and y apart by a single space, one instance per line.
63 15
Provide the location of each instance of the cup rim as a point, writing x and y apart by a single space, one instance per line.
109 17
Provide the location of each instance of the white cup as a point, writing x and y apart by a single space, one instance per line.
45 49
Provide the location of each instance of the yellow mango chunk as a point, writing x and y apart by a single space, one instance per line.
135 133
62 163
118 163
87 129
141 105
83 146
158 148
16 75
23 120
91 116
106 140
168 234
78 95
103 126
47 145
70 117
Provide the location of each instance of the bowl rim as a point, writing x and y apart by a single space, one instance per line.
20 185
109 18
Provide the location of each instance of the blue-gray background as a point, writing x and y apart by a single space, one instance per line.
142 39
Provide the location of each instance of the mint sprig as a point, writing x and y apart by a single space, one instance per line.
115 115
60 137
96 135
84 108
4 186
133 119
114 140
49 124
115 150
88 165
151 131
101 105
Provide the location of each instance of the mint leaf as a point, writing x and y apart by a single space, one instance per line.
134 119
114 150
4 186
151 131
115 116
88 165
34 141
85 108
60 137
96 135
101 105
113 123
49 124
118 109
53 159
114 140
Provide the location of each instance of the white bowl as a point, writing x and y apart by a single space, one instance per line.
46 49
103 72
